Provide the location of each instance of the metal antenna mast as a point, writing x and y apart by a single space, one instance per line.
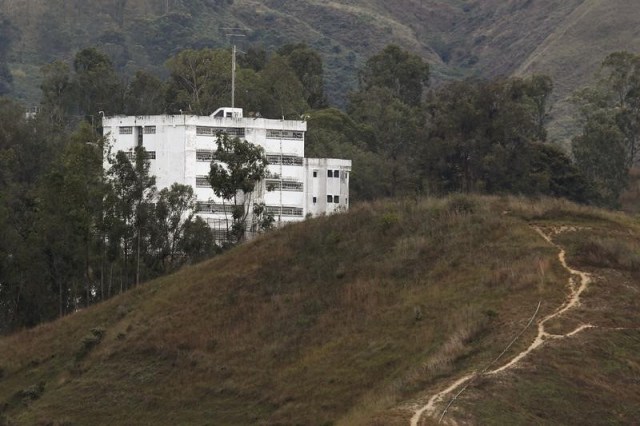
233 32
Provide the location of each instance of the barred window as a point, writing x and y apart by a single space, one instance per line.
213 131
209 207
149 130
285 134
148 155
292 186
202 182
284 185
284 211
205 155
329 198
204 131
336 199
285 160
125 130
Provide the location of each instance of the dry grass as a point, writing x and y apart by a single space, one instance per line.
337 320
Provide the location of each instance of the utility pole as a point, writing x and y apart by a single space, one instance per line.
233 78
233 32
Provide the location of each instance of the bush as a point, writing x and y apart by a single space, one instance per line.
89 342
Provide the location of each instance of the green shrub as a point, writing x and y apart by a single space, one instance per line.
388 220
89 342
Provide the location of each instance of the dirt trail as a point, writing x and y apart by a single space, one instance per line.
578 283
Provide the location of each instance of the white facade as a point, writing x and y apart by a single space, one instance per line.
181 148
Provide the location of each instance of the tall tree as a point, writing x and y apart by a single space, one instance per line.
200 81
601 155
58 92
98 87
146 95
174 211
8 33
307 65
405 74
239 166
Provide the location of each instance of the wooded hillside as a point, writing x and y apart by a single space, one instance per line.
565 40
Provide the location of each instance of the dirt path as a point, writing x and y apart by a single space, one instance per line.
578 283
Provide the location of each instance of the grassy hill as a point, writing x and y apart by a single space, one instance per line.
358 318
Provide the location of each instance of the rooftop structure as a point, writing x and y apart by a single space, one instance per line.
181 147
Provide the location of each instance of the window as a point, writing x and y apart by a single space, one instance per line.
149 130
285 160
214 131
315 200
292 186
205 155
336 199
284 185
208 207
125 130
149 155
329 173
284 211
285 134
329 198
315 173
202 182
336 173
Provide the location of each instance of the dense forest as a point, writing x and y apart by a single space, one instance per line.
75 234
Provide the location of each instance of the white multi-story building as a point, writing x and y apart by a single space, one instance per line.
181 147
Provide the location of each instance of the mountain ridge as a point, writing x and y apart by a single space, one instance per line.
458 38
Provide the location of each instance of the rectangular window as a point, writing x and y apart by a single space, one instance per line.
204 131
285 160
208 207
315 173
336 199
205 155
315 200
284 185
125 130
149 130
336 173
292 186
329 173
214 131
202 182
285 134
329 198
149 155
284 211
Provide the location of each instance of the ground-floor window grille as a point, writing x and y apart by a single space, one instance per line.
208 207
284 211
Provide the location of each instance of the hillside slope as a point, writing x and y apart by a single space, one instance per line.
458 37
355 319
